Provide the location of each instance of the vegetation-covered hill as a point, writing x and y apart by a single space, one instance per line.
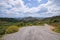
54 21
6 23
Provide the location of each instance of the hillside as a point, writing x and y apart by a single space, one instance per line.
54 21
29 21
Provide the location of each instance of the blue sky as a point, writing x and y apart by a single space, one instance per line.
34 3
26 8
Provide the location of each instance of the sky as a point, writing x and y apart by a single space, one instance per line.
27 8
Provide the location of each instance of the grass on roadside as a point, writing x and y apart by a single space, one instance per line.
57 27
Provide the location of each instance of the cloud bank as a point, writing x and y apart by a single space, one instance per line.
25 8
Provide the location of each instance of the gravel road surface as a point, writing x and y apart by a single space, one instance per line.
33 33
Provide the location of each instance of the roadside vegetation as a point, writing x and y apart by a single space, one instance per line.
55 22
11 25
11 29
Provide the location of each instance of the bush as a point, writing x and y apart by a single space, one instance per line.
57 30
11 29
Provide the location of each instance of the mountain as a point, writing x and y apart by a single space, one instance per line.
50 19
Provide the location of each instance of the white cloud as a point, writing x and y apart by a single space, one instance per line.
52 8
20 9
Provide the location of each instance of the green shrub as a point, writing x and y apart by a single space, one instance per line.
12 29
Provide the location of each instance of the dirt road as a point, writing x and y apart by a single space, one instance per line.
33 33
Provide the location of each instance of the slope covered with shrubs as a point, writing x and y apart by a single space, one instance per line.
6 23
54 21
